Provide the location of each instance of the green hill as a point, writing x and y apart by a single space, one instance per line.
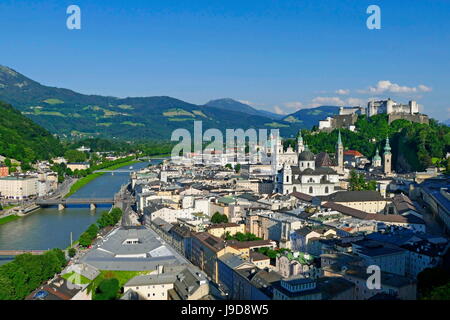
414 146
233 105
68 113
23 140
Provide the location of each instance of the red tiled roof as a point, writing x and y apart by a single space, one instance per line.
353 153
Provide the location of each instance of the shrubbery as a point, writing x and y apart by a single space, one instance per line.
27 272
106 219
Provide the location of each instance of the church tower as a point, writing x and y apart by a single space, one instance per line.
387 158
300 145
340 154
376 161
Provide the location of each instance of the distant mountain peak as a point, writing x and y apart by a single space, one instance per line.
11 72
235 105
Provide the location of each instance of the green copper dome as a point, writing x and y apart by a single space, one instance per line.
387 147
377 156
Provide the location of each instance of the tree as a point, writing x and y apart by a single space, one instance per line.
72 252
439 293
219 218
107 289
27 272
75 156
229 166
85 239
237 168
431 278
239 236
358 183
8 163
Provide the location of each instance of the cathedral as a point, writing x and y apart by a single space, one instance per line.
307 173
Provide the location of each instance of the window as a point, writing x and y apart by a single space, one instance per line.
311 190
327 190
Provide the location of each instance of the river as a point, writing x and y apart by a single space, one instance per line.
49 228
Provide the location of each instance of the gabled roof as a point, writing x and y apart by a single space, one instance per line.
354 196
393 218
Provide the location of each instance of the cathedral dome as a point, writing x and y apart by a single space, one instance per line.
306 156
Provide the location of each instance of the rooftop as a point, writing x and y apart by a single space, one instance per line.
132 249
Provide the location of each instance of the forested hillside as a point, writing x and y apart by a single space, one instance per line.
414 146
23 140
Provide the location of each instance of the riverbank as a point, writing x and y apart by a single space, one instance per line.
8 219
89 178
50 228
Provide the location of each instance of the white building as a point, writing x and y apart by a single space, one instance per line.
308 179
390 106
18 188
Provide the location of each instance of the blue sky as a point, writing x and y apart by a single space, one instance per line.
277 55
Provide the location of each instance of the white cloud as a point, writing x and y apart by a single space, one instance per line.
343 91
386 86
278 110
424 88
356 102
250 103
317 101
336 101
294 105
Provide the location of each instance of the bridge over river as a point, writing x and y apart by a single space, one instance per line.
62 203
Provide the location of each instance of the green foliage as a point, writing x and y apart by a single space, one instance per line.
27 272
89 111
109 218
8 219
75 156
358 183
237 168
439 293
23 140
72 252
431 278
413 144
219 218
239 236
107 289
106 219
272 254
88 236
229 166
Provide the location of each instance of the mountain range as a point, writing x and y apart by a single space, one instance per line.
72 114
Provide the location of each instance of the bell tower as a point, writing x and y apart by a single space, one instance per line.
340 154
387 158
300 145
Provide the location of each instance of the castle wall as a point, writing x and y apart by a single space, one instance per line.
418 118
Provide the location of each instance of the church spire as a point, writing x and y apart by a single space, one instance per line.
387 147
300 145
339 143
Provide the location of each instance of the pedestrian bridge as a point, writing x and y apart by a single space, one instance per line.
63 203
114 171
19 252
